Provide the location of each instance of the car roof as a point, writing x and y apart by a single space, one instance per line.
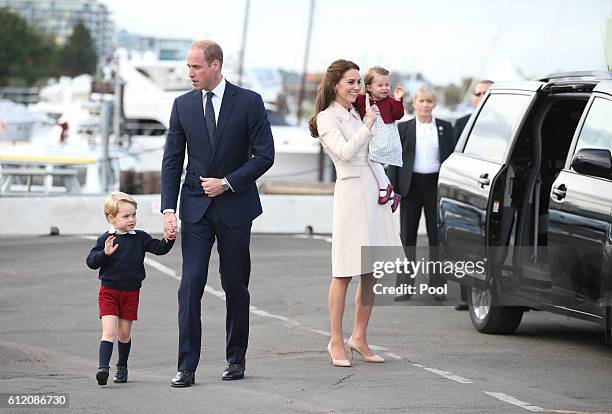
562 80
604 87
592 75
532 86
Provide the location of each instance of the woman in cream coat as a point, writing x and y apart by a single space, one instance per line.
358 220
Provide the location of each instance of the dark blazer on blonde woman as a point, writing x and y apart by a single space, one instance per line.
401 177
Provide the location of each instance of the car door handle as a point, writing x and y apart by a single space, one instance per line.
560 191
483 180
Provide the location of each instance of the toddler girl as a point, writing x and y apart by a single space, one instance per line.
385 145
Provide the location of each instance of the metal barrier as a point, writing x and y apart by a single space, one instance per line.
10 177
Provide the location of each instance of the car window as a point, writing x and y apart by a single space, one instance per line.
597 129
495 126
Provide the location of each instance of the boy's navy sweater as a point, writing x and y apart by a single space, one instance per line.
124 269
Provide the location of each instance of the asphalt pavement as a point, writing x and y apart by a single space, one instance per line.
435 361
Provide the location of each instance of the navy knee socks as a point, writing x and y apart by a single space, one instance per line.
106 350
124 352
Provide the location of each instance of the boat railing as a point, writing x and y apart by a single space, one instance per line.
52 175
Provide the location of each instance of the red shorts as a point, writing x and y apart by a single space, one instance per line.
121 303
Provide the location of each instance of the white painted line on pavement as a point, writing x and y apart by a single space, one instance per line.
575 412
213 291
392 355
266 314
221 295
260 312
170 272
511 400
449 375
162 268
445 374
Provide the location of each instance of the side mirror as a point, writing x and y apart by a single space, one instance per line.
595 162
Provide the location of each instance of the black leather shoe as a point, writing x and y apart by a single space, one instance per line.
461 307
102 376
121 375
183 379
233 372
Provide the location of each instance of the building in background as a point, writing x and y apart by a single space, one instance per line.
58 17
161 48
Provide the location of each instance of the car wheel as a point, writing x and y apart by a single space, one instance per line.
489 318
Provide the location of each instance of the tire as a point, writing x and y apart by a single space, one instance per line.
488 318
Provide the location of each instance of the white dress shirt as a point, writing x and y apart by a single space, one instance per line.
112 230
216 99
426 152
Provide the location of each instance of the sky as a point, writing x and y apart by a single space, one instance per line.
445 40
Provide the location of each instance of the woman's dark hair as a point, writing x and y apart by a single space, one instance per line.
326 92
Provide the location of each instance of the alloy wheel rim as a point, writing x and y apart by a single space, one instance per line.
481 303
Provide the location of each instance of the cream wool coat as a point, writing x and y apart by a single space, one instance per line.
358 219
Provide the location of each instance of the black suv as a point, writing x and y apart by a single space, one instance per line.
529 190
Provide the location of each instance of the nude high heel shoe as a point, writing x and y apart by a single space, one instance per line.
374 358
337 362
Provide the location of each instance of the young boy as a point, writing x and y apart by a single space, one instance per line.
119 254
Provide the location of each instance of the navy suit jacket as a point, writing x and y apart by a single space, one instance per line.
401 177
460 126
244 151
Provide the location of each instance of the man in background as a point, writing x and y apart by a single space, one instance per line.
479 91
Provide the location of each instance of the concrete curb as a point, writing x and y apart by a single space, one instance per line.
83 214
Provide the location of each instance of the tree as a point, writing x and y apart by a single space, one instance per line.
78 56
26 54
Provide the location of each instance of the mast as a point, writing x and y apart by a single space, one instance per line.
245 26
305 63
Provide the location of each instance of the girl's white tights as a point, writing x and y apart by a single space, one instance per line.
381 177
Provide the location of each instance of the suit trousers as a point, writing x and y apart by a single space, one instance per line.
423 195
234 268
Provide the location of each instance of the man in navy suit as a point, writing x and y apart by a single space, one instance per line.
426 143
226 133
479 91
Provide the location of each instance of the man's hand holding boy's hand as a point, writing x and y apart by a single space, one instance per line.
169 226
109 248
